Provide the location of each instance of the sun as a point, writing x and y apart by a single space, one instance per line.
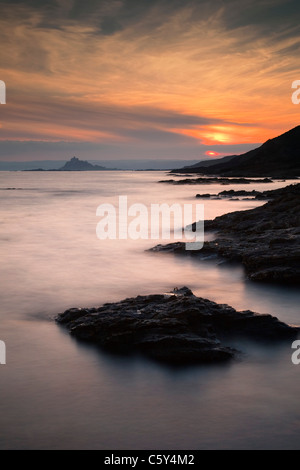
211 153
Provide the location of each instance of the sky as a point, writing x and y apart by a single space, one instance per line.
140 79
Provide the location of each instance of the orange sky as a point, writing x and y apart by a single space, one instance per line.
195 80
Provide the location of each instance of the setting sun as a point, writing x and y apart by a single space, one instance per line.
210 153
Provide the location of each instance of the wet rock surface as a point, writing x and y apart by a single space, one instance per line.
176 328
266 240
254 194
231 193
219 180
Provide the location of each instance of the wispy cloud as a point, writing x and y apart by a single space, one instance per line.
155 72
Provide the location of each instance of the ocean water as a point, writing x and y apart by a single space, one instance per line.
57 393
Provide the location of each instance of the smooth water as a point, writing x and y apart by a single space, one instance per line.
57 393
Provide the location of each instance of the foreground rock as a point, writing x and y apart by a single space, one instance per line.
266 240
176 328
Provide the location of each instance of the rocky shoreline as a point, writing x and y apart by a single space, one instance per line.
218 179
253 194
176 328
266 240
181 329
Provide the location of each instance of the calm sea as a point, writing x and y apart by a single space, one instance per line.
57 393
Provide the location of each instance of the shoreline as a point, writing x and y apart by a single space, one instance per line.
265 240
179 328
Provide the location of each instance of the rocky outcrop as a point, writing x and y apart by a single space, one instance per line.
254 194
81 165
231 193
211 180
176 328
266 240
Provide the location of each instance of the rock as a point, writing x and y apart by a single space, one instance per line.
266 240
220 180
176 328
177 247
231 193
74 164
207 195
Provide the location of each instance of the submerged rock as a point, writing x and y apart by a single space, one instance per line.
176 328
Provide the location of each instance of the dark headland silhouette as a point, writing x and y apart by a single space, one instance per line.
278 158
74 164
81 165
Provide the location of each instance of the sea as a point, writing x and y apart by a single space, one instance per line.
58 393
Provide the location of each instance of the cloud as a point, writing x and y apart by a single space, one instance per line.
35 150
132 72
53 119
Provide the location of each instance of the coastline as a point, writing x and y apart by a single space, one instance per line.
62 265
257 238
266 240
